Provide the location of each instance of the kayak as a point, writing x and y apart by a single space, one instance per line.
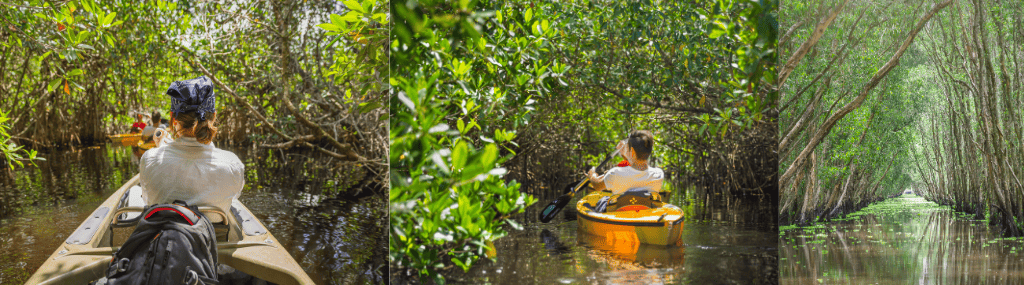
654 223
148 145
126 139
243 243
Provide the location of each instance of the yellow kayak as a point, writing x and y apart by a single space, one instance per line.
126 139
631 219
242 243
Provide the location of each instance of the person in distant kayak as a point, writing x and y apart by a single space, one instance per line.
635 150
138 125
189 167
147 132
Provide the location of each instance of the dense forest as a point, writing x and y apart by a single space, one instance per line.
971 155
287 74
849 104
490 93
882 99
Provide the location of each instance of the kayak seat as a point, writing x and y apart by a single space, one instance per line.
634 200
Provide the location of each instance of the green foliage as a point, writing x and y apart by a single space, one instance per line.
451 66
12 152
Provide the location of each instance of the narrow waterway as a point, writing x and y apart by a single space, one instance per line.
903 240
725 241
333 228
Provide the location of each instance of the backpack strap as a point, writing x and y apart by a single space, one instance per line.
193 278
189 215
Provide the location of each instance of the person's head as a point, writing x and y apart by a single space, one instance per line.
138 118
639 144
156 118
192 109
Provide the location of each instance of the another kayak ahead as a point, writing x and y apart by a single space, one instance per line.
633 218
243 243
126 139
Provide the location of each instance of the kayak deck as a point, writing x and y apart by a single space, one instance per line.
243 243
662 225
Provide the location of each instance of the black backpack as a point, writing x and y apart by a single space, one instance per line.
172 244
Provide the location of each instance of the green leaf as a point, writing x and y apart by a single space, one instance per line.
108 19
329 27
53 84
75 72
459 155
355 6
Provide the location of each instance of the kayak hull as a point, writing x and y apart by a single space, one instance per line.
126 139
657 226
249 247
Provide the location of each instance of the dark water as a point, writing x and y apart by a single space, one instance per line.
903 240
725 241
307 204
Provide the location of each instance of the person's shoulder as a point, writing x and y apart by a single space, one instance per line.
657 172
226 155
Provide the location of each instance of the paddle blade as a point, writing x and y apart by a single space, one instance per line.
549 212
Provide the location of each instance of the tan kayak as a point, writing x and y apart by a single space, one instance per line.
243 243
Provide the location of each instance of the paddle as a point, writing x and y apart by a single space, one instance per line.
556 206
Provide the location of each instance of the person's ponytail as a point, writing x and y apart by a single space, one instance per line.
204 131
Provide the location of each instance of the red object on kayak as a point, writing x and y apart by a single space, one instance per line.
632 208
623 163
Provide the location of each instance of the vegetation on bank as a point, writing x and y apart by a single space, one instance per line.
937 110
487 93
851 102
288 74
79 71
971 152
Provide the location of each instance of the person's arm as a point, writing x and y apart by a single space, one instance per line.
596 181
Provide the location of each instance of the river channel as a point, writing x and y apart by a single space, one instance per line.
725 241
902 240
337 236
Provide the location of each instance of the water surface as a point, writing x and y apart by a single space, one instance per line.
903 240
725 241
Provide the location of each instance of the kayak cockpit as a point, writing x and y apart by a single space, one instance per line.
243 243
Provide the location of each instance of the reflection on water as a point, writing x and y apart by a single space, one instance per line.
336 238
902 240
726 241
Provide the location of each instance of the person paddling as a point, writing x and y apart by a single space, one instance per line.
147 132
188 167
636 174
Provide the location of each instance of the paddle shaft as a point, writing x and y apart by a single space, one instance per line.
587 179
556 206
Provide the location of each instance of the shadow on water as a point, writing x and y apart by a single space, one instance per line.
332 227
725 241
901 240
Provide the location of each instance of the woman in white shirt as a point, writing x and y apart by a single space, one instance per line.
189 167
638 175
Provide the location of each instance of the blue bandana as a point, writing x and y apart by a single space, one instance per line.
192 95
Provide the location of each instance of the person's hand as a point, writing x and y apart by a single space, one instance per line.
592 174
621 147
158 136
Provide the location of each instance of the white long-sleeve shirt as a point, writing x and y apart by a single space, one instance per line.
199 174
620 179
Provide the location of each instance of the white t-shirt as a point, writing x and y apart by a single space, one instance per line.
620 179
199 174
